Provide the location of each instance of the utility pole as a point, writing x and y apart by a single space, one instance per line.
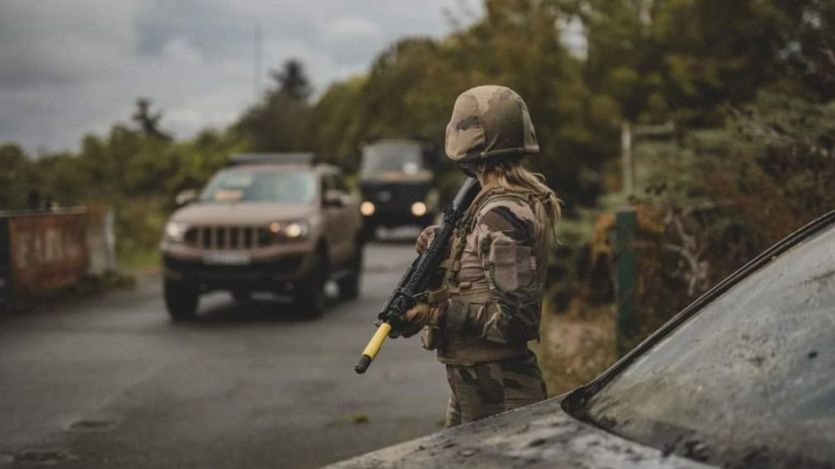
626 265
626 233
257 58
626 159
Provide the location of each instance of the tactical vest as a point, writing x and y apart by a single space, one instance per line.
459 349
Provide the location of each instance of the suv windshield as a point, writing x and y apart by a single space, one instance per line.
749 379
260 185
399 156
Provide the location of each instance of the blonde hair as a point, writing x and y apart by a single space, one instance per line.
512 176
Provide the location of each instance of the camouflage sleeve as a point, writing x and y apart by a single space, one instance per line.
511 311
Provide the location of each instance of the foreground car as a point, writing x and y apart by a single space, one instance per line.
743 377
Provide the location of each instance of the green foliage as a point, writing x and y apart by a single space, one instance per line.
412 85
724 195
648 61
281 122
148 121
16 178
136 174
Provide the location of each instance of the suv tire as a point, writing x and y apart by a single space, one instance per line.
241 295
369 231
181 300
310 294
349 286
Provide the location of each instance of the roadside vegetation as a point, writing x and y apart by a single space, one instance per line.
746 88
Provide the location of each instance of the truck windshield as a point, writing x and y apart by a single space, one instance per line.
748 378
251 185
394 156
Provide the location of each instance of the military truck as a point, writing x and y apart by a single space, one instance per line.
282 223
396 180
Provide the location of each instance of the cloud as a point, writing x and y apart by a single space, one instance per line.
39 46
70 68
350 27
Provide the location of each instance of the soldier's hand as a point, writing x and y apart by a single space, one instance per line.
416 318
425 238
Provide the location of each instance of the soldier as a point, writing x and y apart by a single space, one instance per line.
488 306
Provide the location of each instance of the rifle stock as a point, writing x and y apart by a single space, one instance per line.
416 278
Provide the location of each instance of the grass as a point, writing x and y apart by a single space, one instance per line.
138 260
356 419
573 349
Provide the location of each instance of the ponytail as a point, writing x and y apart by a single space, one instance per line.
512 176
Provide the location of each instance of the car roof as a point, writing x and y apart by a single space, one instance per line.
283 160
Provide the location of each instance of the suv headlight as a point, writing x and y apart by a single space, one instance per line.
175 231
294 230
418 209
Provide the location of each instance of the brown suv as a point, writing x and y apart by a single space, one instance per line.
280 223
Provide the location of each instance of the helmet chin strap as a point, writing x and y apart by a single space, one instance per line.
473 169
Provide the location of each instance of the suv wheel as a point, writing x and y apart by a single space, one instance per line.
310 295
349 286
369 231
181 300
241 295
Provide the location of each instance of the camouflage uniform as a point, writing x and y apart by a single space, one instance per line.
495 270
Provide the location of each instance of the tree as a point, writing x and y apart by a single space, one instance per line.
281 121
15 179
293 80
148 121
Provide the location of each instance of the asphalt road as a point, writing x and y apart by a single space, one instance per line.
110 382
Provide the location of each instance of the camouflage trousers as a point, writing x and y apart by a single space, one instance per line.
489 388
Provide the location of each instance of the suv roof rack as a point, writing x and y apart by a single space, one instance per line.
288 158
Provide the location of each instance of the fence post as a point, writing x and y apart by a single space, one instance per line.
5 265
626 224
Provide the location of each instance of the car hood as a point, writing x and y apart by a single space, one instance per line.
540 435
244 213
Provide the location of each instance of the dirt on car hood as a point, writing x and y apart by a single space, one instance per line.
541 435
244 213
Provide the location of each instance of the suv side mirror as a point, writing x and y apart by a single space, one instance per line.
334 198
186 197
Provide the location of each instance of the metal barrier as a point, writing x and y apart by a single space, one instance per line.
44 250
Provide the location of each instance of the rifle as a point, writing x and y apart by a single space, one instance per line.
412 286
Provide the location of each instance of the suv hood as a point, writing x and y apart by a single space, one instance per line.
244 213
539 435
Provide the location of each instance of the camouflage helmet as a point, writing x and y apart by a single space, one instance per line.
489 122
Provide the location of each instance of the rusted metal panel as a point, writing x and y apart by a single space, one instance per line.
46 250
5 264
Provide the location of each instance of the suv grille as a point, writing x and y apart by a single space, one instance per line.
394 196
228 237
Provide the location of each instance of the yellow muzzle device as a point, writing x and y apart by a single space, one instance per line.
373 347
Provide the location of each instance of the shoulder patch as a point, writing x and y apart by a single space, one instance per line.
505 219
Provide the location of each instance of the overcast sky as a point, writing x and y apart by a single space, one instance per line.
68 67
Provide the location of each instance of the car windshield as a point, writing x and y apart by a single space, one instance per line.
750 379
260 185
394 156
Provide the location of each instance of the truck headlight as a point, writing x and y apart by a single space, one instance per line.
367 208
175 231
418 209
